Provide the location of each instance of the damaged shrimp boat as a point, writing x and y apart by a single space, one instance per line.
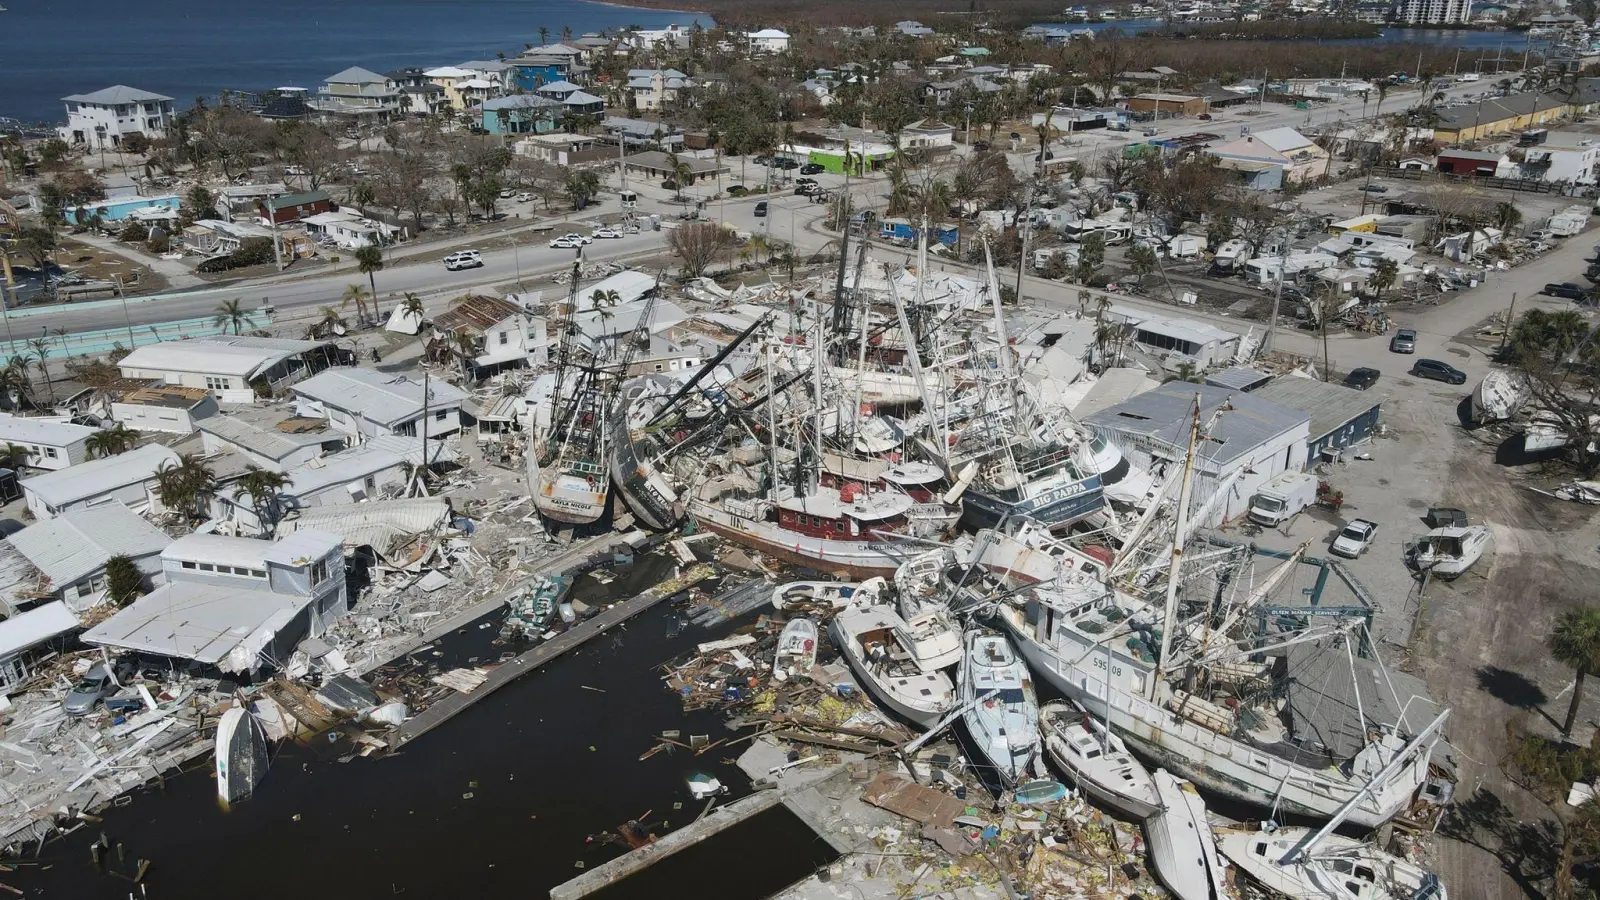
1198 686
568 461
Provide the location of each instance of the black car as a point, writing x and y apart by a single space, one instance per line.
1566 291
812 169
737 190
1376 189
761 209
763 160
983 147
1361 378
1438 371
784 162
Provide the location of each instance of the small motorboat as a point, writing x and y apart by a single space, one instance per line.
1183 852
1001 713
241 755
1098 761
870 637
797 649
803 595
528 614
1041 792
1287 862
1451 550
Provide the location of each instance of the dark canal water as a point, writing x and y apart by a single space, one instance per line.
547 760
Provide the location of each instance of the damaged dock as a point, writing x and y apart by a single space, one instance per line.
452 705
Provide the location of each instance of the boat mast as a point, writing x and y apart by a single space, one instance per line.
1170 618
914 357
772 428
816 373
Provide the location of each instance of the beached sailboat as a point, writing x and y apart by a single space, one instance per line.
1183 852
1447 552
797 649
1497 397
1097 761
241 754
1335 867
870 639
1001 712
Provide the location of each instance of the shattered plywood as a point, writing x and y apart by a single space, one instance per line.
912 800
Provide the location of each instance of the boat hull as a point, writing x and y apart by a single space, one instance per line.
641 484
1396 877
241 755
1056 508
1212 761
857 560
567 499
850 648
1182 849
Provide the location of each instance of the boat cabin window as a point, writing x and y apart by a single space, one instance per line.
1093 753
1260 848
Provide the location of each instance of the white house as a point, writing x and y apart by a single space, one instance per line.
656 89
126 478
163 407
1562 158
28 640
1299 156
1256 438
502 332
364 403
356 475
65 558
769 40
238 604
51 443
670 38
228 366
927 134
349 231
265 437
102 119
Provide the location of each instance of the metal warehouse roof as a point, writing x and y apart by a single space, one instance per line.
1163 415
1330 406
378 396
77 543
100 476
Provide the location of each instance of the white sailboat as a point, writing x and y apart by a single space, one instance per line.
1497 397
871 640
1098 762
1004 727
1183 852
1337 868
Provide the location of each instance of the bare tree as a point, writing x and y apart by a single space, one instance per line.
698 245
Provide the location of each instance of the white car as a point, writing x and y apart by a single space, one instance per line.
524 197
464 259
1354 539
607 234
580 238
565 243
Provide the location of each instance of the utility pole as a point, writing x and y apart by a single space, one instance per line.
272 222
1505 334
1277 298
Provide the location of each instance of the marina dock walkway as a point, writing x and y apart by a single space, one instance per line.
451 705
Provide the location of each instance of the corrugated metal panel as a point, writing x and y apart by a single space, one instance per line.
78 542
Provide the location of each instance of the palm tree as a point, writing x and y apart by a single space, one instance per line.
326 325
1507 216
184 486
231 313
1575 641
111 441
412 305
262 486
353 293
15 385
1383 276
41 350
680 173
369 259
14 456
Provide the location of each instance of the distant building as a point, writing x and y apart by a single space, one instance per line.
1433 12
102 119
164 408
656 89
1299 156
502 332
768 40
294 207
521 114
563 148
359 93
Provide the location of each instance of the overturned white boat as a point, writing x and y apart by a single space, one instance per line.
1183 852
1497 397
1450 550
1001 713
241 755
1300 865
872 639
797 649
1097 761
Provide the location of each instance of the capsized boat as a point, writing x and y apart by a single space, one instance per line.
1183 852
1334 868
808 594
241 755
1001 713
1097 761
529 612
871 640
797 649
1497 397
1450 550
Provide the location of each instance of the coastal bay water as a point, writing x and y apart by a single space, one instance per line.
496 803
190 48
